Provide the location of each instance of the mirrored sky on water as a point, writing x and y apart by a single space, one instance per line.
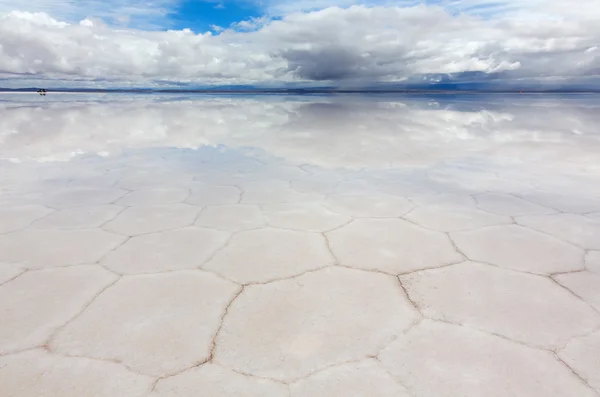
384 245
406 144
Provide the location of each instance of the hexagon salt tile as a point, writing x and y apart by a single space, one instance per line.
442 360
592 261
279 170
364 379
406 185
268 254
573 203
57 247
78 197
185 248
102 179
36 303
445 200
216 381
78 217
147 179
205 195
19 217
530 309
595 216
584 284
391 245
575 229
9 271
305 217
288 329
154 197
577 185
455 219
226 177
275 192
156 324
518 248
322 184
232 217
506 204
151 219
38 373
481 181
369 206
583 355
352 185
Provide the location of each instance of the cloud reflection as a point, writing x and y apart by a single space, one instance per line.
343 132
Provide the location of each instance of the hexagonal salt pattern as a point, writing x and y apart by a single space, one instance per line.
305 217
575 229
363 379
391 245
506 204
374 205
584 284
287 329
444 200
155 324
455 219
302 252
154 197
519 248
204 195
323 184
36 303
266 264
78 217
518 306
78 197
562 202
19 217
38 373
583 356
592 261
274 192
151 219
185 248
442 360
57 247
232 217
216 381
8 271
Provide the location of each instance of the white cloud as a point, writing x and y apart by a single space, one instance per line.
347 45
146 13
304 130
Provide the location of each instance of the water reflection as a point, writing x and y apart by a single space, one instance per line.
433 144
133 220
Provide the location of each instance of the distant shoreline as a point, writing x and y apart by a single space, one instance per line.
288 91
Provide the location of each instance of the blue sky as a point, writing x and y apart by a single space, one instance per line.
200 16
346 43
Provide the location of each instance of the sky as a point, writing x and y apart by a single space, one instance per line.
273 43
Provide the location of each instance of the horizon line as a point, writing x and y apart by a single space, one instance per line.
295 91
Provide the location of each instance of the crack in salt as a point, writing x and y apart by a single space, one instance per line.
57 330
581 379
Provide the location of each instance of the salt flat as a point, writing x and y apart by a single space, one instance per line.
299 246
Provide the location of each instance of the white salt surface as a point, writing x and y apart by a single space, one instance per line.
314 246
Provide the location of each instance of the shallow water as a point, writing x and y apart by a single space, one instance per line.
425 243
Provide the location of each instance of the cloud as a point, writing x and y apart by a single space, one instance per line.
354 45
365 133
146 14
